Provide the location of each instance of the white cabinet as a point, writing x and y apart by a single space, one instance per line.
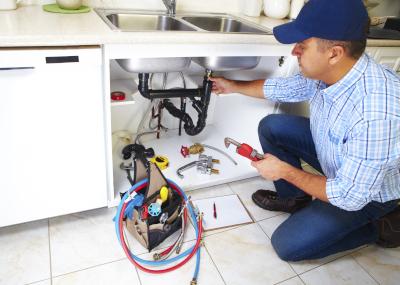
52 145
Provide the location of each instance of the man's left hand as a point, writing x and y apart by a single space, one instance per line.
271 167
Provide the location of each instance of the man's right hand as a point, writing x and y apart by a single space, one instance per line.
252 88
222 85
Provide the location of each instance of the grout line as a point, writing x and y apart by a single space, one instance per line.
362 267
263 230
304 282
330 261
138 275
35 282
216 267
90 267
280 282
277 215
285 261
51 268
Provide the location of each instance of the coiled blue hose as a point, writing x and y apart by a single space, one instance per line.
161 262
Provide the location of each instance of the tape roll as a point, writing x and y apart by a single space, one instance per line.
161 161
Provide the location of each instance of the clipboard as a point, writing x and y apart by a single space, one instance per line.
230 211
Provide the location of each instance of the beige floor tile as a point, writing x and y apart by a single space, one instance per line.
83 240
270 225
245 188
303 266
293 281
208 273
116 273
245 256
343 271
25 256
44 282
382 264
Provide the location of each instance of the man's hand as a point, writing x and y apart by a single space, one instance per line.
222 85
252 88
271 167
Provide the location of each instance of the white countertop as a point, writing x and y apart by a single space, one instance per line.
31 26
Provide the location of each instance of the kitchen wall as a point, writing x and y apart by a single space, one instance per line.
222 6
384 7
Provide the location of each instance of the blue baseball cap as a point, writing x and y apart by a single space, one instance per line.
341 20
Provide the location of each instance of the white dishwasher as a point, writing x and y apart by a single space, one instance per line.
52 146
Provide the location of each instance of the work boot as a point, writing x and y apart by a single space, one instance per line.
389 229
269 200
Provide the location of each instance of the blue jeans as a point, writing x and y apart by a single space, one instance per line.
320 229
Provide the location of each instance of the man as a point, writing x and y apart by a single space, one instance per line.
352 137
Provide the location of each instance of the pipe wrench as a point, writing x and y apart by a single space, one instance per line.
244 149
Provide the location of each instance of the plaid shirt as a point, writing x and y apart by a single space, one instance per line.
355 124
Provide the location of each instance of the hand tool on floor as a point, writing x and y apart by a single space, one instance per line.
198 148
205 165
244 149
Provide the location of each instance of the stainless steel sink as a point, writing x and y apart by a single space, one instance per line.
224 63
148 21
138 22
154 65
224 24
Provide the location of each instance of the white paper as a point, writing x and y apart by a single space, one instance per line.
229 209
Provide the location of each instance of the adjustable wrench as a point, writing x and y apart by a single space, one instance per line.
244 149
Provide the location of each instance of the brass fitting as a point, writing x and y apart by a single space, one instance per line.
196 148
156 256
215 160
193 282
214 171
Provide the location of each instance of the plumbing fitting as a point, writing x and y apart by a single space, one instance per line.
198 148
205 165
200 105
171 7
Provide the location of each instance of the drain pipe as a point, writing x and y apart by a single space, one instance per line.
164 94
201 106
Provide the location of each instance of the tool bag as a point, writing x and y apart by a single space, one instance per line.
150 230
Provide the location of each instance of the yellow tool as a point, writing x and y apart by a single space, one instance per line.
164 194
161 161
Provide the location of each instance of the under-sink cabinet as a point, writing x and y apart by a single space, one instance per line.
52 144
231 115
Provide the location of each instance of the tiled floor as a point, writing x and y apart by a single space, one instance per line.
82 249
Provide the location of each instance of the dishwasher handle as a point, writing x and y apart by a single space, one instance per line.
16 68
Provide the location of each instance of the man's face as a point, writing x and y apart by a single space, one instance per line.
313 61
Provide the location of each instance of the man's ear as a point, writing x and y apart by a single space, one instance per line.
336 54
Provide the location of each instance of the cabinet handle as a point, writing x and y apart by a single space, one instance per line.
61 59
16 68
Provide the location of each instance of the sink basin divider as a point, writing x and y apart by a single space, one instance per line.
200 105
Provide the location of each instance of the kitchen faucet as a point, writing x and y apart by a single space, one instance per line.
171 6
